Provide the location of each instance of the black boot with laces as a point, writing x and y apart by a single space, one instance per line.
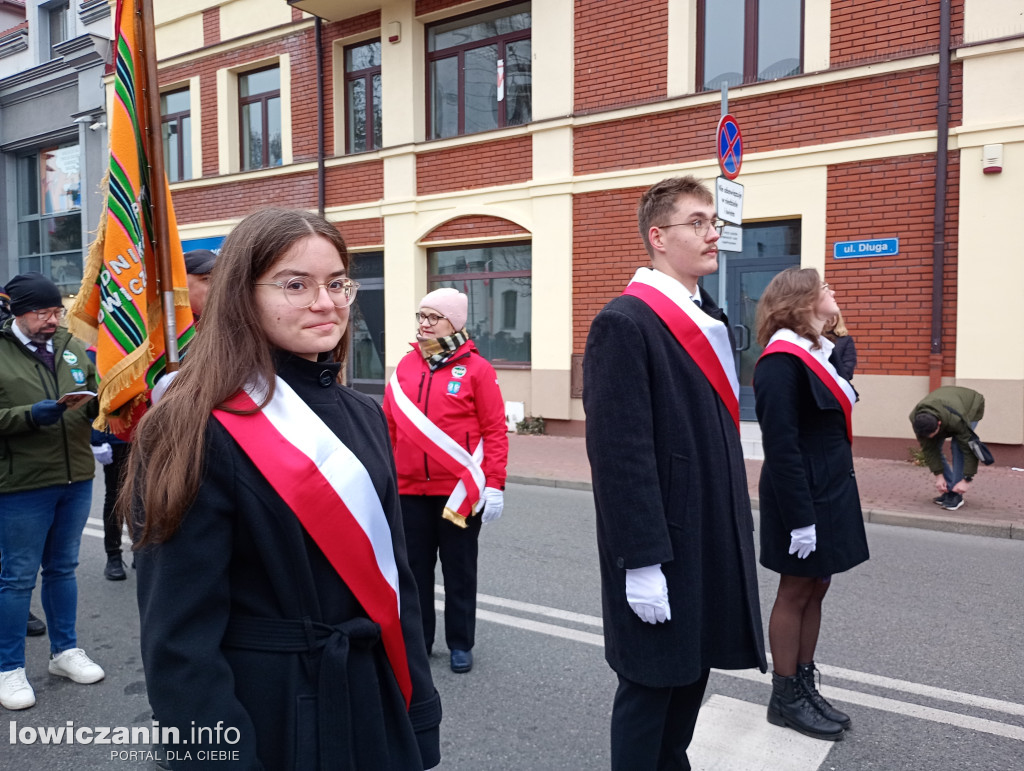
791 706
806 673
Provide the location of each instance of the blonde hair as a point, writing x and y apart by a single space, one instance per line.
836 327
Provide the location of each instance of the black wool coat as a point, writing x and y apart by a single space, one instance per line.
844 356
669 487
807 476
220 600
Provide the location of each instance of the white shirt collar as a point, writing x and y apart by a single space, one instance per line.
821 353
24 338
661 277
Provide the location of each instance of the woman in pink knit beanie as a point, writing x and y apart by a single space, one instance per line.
446 416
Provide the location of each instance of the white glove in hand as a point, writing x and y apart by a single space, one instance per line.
804 541
493 501
103 453
647 594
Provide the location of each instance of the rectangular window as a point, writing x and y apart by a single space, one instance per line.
49 215
259 105
747 41
366 324
479 72
362 97
496 279
58 22
176 124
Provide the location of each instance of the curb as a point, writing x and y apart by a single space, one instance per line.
988 528
566 484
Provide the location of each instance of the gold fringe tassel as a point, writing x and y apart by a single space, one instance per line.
454 517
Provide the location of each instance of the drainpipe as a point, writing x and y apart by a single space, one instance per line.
320 173
939 222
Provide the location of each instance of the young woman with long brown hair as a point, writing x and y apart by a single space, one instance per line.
275 595
811 523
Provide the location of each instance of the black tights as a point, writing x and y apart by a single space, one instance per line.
795 621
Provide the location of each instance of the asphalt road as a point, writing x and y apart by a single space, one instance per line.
920 645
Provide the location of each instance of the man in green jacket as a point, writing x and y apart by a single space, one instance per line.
46 470
949 412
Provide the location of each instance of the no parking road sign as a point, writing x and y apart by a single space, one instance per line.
730 146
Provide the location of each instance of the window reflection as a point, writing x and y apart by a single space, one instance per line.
497 281
778 40
480 72
775 30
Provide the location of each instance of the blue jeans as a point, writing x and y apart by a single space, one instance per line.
40 528
955 473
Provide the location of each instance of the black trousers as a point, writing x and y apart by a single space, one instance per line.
113 474
652 727
428 534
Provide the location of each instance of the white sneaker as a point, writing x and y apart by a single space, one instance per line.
76 666
15 692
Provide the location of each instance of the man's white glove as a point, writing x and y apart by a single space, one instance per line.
647 594
492 502
103 453
804 541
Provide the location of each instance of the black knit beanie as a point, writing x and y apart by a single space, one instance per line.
32 292
924 424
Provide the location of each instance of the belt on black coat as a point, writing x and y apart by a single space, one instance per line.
336 691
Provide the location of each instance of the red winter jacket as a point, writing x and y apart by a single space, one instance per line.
461 398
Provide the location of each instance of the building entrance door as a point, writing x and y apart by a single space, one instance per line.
768 249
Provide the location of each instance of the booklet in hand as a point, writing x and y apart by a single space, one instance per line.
76 399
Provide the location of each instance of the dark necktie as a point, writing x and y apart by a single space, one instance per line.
697 302
45 356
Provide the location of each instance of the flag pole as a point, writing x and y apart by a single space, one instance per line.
157 178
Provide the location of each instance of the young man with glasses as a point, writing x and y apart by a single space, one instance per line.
46 487
674 527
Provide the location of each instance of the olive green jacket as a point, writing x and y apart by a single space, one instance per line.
34 456
971 406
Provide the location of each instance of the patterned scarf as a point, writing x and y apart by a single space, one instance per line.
439 349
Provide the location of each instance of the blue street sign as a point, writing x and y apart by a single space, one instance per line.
730 147
213 243
872 247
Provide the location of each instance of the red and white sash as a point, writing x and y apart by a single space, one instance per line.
705 339
788 341
330 491
452 456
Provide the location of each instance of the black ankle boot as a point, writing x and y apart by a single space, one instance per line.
114 571
806 673
791 706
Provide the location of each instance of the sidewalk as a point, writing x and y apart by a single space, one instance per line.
891 492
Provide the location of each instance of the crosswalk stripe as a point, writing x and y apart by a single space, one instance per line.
899 707
920 689
539 610
861 678
535 626
908 709
732 735
125 540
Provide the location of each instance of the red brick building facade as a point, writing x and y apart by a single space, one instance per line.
514 139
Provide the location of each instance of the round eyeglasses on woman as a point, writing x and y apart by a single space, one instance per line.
430 318
302 291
